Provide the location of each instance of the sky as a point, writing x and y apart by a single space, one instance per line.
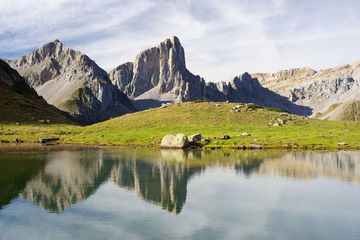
221 39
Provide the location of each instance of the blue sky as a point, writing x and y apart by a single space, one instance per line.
221 38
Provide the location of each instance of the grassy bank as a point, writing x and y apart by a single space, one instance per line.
147 128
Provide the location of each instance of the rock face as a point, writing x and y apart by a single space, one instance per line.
331 94
175 141
71 81
246 89
160 75
20 103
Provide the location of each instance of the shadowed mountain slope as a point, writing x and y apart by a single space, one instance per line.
71 81
20 103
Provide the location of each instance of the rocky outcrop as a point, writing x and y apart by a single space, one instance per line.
159 74
71 81
331 94
20 103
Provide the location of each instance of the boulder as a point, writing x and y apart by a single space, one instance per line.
175 141
245 134
195 138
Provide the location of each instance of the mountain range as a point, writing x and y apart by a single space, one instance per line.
74 83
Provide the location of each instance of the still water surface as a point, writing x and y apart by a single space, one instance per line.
153 194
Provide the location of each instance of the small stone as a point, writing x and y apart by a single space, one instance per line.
281 121
276 124
256 146
245 134
225 137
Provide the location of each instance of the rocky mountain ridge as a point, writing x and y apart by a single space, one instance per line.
332 93
72 82
159 75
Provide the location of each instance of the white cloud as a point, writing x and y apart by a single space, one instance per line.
221 39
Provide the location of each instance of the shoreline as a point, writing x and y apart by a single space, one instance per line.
31 147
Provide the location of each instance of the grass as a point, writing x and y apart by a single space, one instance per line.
147 128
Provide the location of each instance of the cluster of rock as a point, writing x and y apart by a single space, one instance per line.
281 120
181 141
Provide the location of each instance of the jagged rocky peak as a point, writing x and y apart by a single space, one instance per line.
159 73
243 83
49 50
73 82
53 59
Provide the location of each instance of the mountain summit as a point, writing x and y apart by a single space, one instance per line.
73 82
159 73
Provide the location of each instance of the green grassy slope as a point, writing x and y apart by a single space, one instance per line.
211 120
148 127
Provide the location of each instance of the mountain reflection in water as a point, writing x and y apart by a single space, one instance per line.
54 181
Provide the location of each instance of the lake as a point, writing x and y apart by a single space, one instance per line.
126 193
